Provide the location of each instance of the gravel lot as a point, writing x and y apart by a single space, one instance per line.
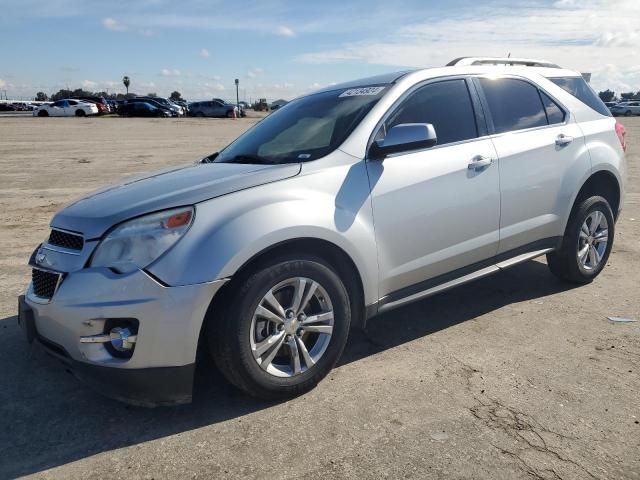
514 376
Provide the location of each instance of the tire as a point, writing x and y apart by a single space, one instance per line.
238 330
581 234
80 113
199 115
43 113
627 113
230 114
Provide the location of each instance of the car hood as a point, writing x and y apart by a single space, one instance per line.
95 213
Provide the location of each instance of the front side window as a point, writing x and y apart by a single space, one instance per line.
446 105
514 104
305 129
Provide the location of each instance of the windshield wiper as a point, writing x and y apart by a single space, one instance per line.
250 159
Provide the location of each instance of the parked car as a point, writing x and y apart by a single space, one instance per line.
626 108
142 109
213 108
100 102
166 103
66 108
268 251
172 112
7 107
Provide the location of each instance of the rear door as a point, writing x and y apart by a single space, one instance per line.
71 107
540 148
56 109
434 214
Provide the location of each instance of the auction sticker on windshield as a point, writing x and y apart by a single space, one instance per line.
355 92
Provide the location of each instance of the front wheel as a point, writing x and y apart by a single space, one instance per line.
80 113
283 329
586 244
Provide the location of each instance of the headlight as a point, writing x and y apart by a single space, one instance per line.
137 243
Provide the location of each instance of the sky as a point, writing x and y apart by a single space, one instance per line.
285 48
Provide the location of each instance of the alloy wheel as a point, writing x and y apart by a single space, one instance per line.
593 240
291 327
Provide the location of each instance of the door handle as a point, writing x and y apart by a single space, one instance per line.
562 140
479 162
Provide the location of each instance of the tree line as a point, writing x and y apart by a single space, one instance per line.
80 93
610 95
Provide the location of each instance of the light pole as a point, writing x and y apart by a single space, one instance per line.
237 97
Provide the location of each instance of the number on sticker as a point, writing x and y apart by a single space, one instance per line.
355 92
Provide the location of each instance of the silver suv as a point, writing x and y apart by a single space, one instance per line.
343 204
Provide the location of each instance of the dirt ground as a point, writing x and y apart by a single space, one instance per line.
514 376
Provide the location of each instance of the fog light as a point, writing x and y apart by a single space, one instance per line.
122 339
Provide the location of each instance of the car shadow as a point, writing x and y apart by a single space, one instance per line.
48 419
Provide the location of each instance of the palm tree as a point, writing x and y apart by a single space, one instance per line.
126 82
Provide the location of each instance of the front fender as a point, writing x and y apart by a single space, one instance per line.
331 204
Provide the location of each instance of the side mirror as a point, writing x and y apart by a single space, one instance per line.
404 138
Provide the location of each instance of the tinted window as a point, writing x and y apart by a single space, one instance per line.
304 129
73 102
59 103
554 113
514 104
446 105
579 88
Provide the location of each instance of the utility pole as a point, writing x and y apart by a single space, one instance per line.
238 96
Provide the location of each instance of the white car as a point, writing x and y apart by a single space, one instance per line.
626 108
66 108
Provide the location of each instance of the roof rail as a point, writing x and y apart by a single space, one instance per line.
518 62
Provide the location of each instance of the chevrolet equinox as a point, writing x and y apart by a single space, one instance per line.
343 204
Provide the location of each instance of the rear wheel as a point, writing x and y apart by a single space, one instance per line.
43 113
80 113
627 113
283 329
586 244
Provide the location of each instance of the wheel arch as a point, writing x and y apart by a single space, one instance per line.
605 184
337 258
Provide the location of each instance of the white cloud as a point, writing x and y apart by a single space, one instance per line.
2 83
167 72
204 53
285 31
89 84
585 36
113 25
255 72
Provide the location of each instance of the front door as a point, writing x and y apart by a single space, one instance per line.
434 212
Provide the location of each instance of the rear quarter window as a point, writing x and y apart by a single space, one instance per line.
579 88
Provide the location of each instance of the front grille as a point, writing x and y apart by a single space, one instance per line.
44 283
66 240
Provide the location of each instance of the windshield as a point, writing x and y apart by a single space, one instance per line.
305 129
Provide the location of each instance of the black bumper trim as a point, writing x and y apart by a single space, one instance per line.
144 387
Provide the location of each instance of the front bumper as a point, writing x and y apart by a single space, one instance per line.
160 371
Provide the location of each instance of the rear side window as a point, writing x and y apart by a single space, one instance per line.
514 104
579 88
446 105
554 113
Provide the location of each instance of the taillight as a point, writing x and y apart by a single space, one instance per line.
621 132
